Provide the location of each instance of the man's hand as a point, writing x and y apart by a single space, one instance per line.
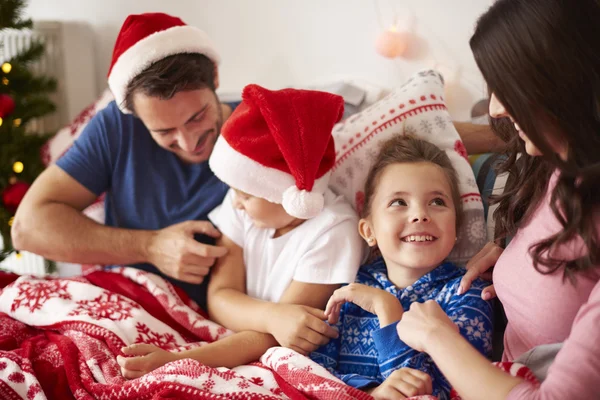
403 383
300 328
376 301
147 358
175 252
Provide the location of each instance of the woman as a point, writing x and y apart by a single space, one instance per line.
541 61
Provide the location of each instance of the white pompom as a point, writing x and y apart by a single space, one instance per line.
302 204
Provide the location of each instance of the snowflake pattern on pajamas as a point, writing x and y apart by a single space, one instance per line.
366 354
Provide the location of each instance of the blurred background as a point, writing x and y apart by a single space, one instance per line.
278 43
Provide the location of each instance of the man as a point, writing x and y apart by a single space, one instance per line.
148 152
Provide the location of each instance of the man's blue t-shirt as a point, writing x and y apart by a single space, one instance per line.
147 187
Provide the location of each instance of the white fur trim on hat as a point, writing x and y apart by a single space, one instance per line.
243 173
301 203
155 47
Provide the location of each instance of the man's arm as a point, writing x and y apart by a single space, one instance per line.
49 222
478 138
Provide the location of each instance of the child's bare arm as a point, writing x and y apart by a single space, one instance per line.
296 322
308 294
235 350
238 349
228 303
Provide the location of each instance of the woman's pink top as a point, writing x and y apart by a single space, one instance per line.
543 309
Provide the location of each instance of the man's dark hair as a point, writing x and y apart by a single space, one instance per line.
171 75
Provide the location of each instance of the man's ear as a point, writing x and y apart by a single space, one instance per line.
365 230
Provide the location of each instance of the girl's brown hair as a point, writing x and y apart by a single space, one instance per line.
541 60
406 149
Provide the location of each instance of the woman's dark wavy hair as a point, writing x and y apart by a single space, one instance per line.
541 59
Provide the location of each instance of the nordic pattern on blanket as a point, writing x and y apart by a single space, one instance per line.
63 344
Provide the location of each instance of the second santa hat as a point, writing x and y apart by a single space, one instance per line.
277 145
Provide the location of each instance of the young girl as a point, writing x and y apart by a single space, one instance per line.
540 59
412 209
291 242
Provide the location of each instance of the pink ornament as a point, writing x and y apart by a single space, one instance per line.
391 43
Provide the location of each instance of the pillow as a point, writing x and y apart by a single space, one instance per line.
416 108
58 145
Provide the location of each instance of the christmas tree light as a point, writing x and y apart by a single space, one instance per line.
24 96
18 167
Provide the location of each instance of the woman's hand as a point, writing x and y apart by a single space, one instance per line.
376 301
403 383
147 358
420 321
477 266
300 328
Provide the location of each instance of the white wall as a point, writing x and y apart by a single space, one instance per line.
280 43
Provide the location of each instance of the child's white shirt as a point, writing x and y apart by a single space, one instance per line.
325 249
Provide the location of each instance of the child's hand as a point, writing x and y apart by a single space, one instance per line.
300 328
376 301
148 358
403 383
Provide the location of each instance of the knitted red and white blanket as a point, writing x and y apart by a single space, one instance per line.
59 339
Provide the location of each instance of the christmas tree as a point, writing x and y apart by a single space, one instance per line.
23 98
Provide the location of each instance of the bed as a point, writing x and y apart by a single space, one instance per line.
59 336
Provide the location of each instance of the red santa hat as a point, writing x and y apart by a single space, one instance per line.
147 38
277 145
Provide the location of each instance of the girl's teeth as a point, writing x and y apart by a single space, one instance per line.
418 238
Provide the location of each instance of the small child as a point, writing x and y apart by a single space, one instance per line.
292 242
411 213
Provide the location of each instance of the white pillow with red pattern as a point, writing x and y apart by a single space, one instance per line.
416 108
